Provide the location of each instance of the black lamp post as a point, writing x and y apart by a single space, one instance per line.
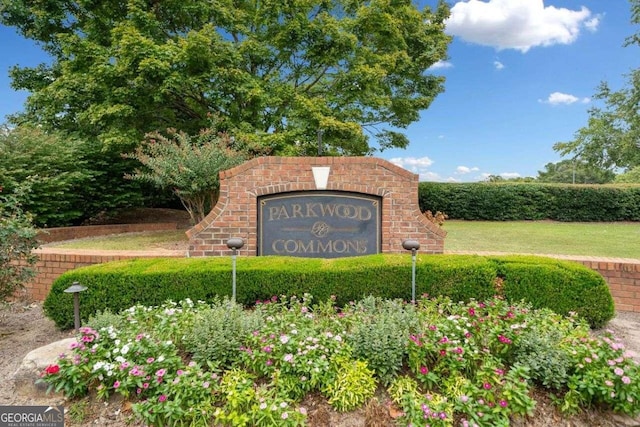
75 289
234 244
413 246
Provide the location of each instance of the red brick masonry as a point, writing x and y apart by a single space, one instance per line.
622 275
236 213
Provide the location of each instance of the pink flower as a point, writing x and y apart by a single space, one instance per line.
472 312
424 370
161 372
288 357
503 339
486 386
162 398
499 371
618 371
267 349
116 384
269 362
503 403
626 380
150 360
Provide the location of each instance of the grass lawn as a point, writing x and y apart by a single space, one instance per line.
545 237
130 241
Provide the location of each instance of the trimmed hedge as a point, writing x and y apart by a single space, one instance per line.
531 201
562 286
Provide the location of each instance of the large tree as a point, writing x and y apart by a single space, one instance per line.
279 71
575 172
611 138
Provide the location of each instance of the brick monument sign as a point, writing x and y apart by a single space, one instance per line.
323 207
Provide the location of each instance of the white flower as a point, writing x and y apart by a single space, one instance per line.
160 358
125 349
284 339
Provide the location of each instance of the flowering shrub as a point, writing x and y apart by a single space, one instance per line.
460 362
603 373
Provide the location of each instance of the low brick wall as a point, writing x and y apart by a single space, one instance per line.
623 278
622 275
69 233
53 262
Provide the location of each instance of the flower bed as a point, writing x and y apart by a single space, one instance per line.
441 363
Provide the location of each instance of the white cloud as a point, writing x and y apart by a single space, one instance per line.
417 165
441 65
517 24
412 162
499 65
592 24
461 170
508 175
557 98
429 176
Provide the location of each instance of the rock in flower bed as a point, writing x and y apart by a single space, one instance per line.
440 363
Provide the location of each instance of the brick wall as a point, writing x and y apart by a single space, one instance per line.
52 263
235 214
69 233
623 277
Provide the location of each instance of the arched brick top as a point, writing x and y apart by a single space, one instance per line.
235 214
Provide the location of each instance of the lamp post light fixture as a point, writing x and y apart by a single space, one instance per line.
234 244
413 246
75 289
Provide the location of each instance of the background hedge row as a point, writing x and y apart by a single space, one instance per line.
562 286
531 201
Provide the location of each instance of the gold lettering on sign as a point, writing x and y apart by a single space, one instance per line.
339 246
315 210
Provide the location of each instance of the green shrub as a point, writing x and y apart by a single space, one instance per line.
531 201
218 332
379 334
17 241
353 384
560 285
538 349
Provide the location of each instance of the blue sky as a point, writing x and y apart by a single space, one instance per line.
519 78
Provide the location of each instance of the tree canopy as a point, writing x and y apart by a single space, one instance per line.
574 172
275 71
611 139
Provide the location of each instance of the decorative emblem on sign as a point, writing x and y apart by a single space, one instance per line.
321 224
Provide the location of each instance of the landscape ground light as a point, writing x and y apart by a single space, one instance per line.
413 246
75 289
234 244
